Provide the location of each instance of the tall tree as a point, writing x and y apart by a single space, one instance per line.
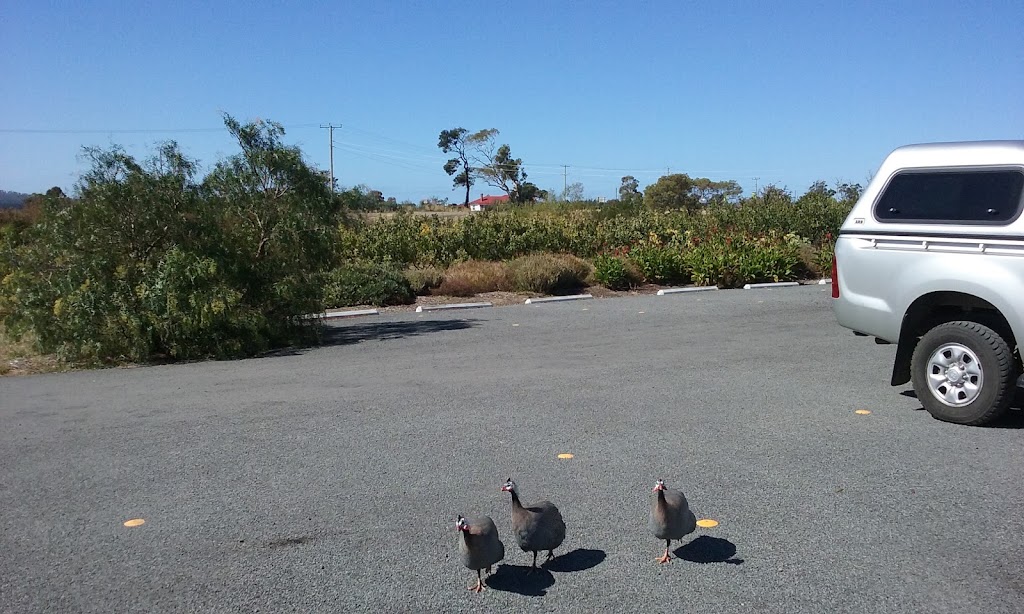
629 191
498 169
708 191
573 192
849 192
672 192
456 141
821 188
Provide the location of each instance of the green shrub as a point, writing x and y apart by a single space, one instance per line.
584 232
174 268
360 282
548 273
423 279
615 272
660 264
730 260
822 259
475 277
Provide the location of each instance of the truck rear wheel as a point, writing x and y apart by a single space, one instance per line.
963 372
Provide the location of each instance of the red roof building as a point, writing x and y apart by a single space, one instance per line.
487 201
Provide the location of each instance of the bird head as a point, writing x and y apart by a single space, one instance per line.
461 524
509 486
660 485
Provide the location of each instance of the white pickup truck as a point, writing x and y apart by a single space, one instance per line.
931 258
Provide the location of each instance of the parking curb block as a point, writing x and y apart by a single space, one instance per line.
826 281
665 291
552 299
423 308
779 284
334 315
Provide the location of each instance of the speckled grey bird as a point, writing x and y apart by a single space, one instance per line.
537 526
671 517
479 546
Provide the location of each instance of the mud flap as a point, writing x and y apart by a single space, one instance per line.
901 364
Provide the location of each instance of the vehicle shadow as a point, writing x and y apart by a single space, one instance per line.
580 559
707 549
1013 419
520 580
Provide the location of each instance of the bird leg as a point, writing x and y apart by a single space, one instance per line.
488 570
551 555
534 567
479 586
665 558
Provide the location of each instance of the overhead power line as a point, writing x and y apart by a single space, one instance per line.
129 130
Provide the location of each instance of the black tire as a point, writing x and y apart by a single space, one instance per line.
997 367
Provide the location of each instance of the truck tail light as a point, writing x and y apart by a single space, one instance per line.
835 277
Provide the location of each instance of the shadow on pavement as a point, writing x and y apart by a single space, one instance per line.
706 549
580 559
518 579
346 334
1014 419
376 331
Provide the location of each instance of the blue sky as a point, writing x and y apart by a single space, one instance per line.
784 92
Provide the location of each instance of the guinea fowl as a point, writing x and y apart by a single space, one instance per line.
479 546
538 526
671 517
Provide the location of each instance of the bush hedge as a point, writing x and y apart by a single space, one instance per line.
505 235
360 282
549 273
423 279
616 272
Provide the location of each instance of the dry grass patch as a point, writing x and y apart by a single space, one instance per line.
474 277
549 273
21 357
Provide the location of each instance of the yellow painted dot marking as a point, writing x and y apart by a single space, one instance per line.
134 522
863 412
707 523
565 455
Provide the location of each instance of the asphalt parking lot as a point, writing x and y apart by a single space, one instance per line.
329 479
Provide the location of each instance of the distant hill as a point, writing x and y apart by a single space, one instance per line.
12 200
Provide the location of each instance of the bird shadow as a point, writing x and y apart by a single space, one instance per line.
707 549
580 559
518 579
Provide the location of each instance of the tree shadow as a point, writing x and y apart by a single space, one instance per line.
332 333
340 334
580 559
518 579
706 549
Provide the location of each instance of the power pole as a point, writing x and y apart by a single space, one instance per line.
755 185
330 137
565 179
